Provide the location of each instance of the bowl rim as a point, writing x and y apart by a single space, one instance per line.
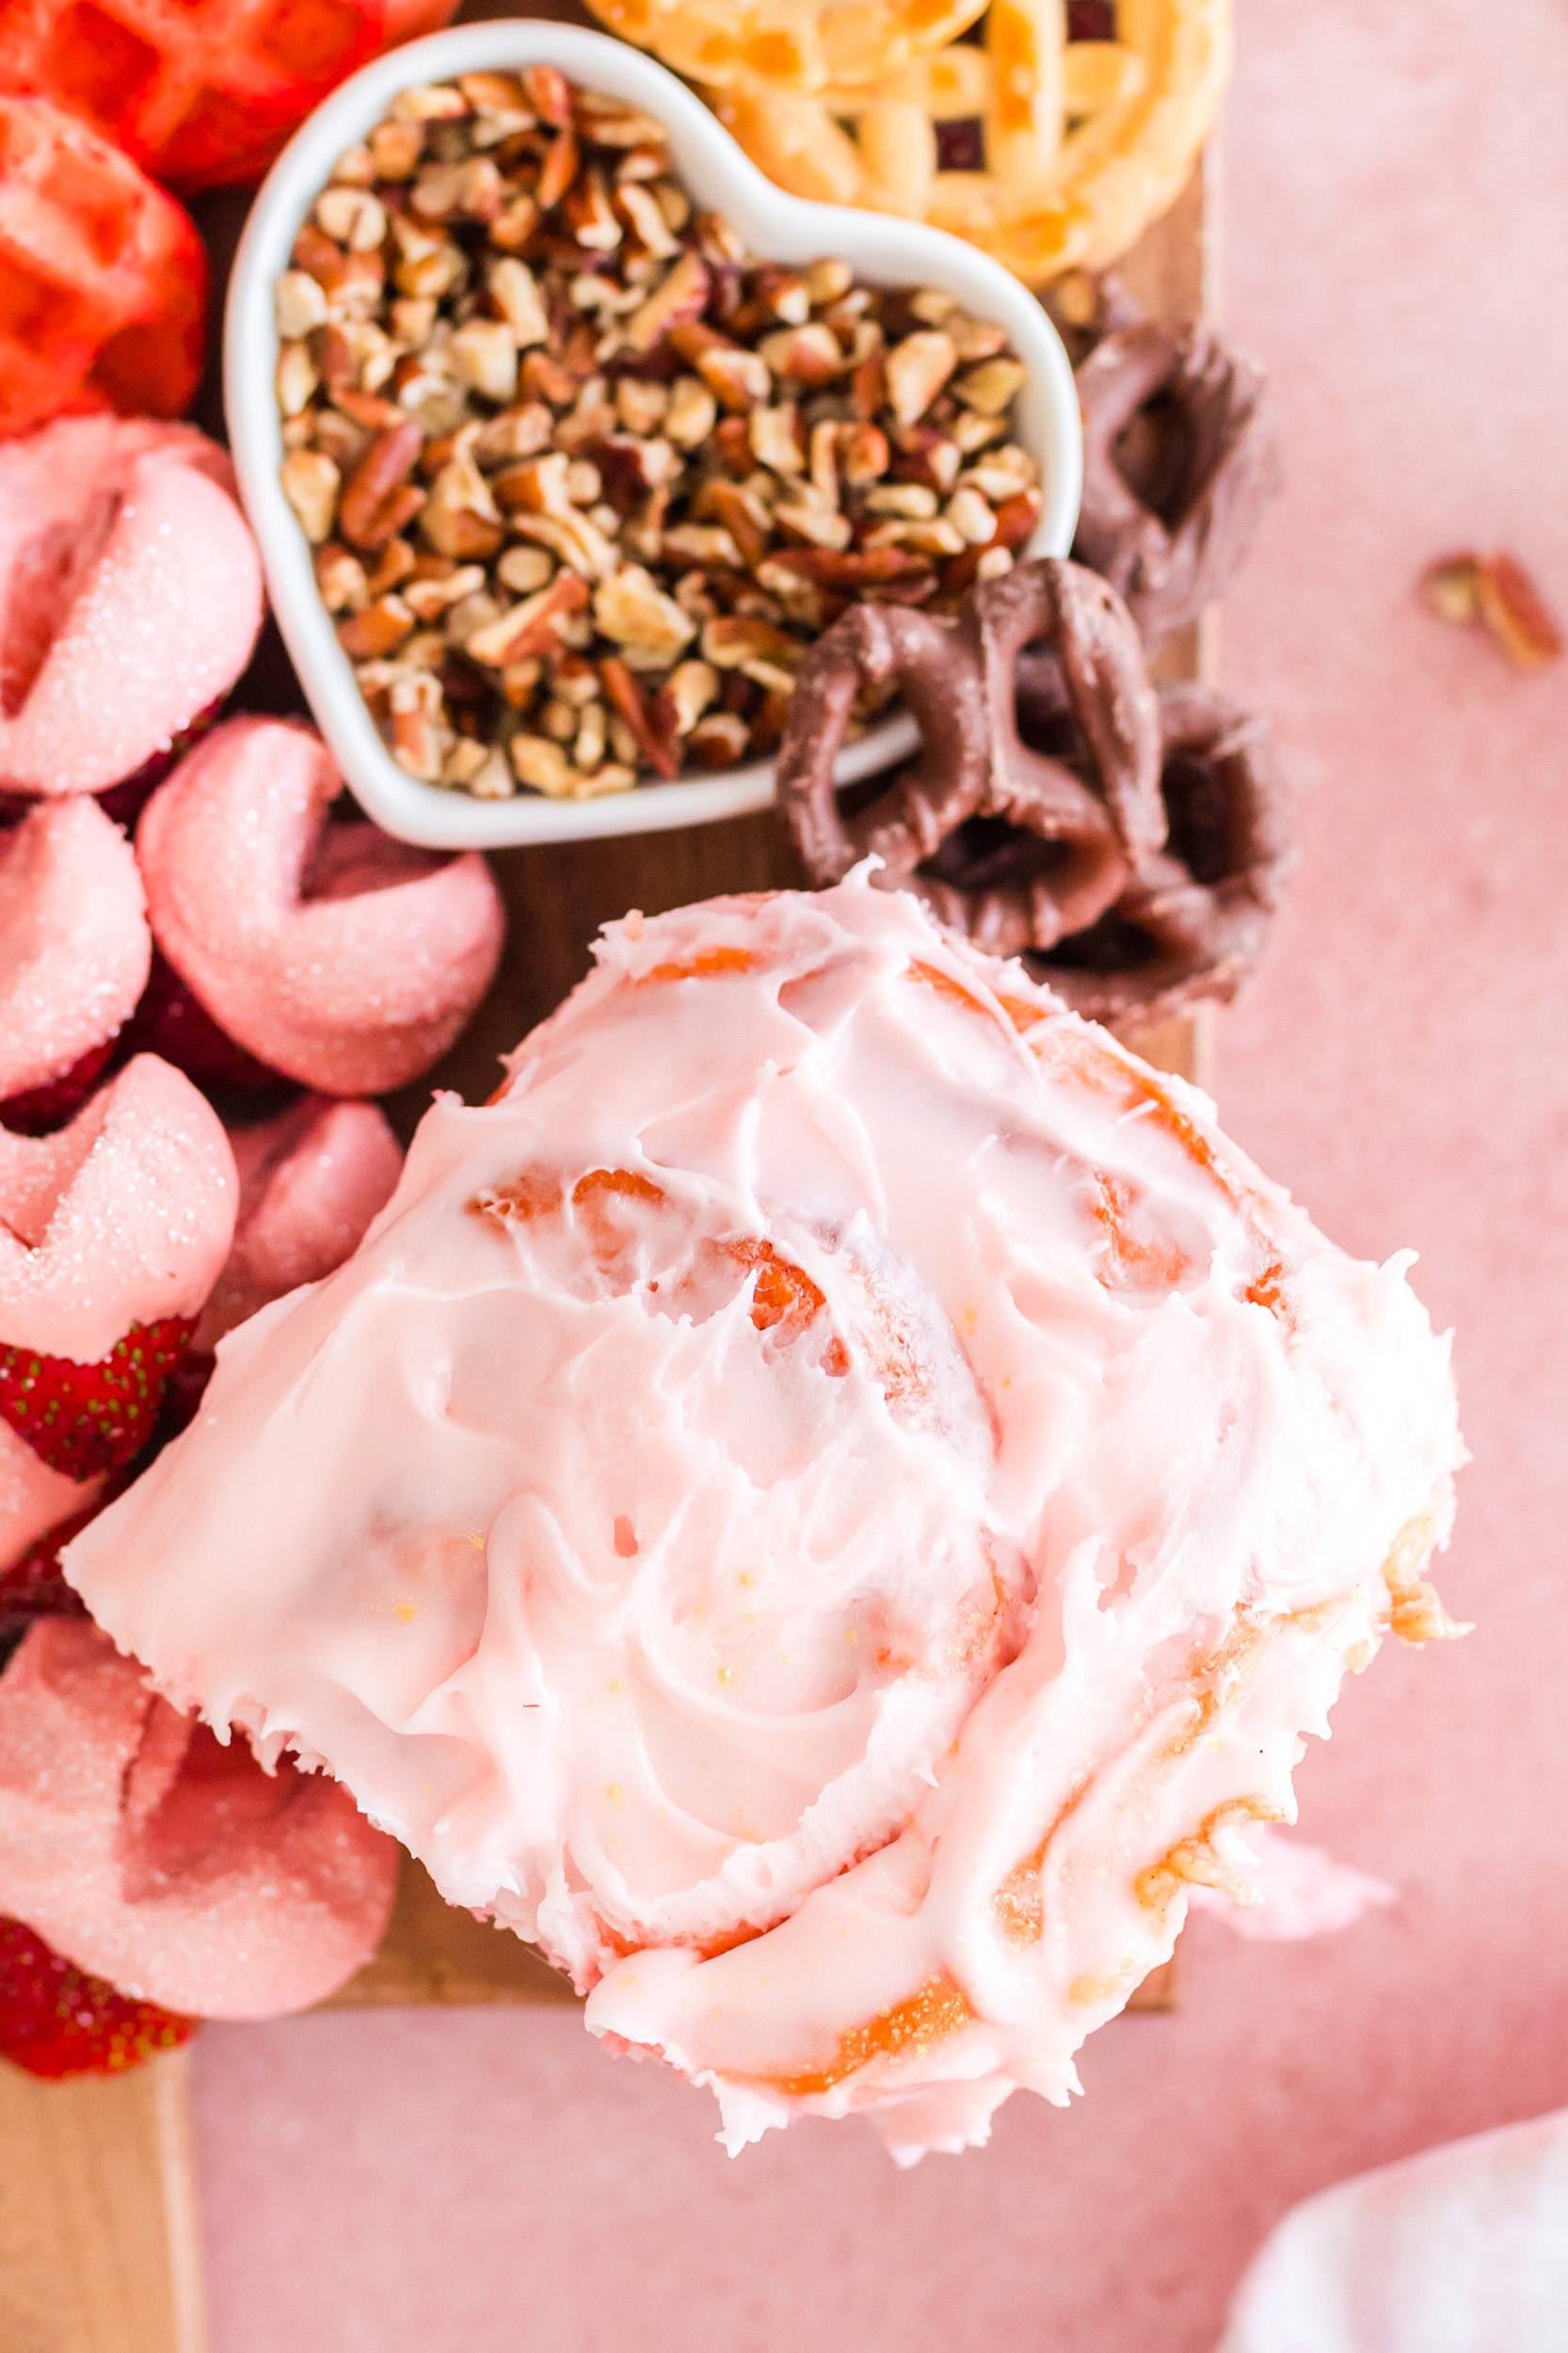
880 246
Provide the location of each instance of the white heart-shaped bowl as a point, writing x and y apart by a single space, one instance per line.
781 228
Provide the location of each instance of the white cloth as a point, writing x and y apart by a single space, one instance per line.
1462 2250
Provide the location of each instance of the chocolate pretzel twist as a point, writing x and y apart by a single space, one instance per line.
935 664
1014 846
1171 544
1194 921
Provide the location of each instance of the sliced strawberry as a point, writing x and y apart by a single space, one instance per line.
171 1022
56 2019
33 1586
187 1386
82 1419
39 1110
125 801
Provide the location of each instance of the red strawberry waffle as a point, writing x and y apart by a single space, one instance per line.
333 954
103 278
201 93
130 599
827 1505
196 1880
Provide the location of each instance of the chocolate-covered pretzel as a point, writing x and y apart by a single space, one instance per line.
1013 846
936 665
1193 920
1179 461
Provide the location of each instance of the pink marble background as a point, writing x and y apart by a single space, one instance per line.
1396 214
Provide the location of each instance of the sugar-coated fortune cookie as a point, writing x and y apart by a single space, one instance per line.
1074 145
130 598
74 946
825 1505
149 1854
331 952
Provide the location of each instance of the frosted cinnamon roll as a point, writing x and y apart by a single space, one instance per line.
825 1506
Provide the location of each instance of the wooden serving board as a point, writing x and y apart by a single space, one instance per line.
99 2248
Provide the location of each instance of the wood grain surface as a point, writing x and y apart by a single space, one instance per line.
98 2236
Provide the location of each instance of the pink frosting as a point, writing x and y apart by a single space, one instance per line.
130 597
74 946
122 1218
341 957
822 1506
149 1854
310 1181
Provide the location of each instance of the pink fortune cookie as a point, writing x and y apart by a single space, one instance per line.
130 597
124 1217
337 955
149 1854
310 1181
74 946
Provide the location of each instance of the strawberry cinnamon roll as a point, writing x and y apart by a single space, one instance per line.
825 1506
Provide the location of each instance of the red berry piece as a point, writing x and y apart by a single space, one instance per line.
187 1386
125 802
103 277
172 1023
82 1419
203 94
39 1110
34 1586
56 2019
1091 20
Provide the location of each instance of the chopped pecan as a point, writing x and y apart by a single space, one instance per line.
738 379
379 500
633 610
809 356
616 428
916 371
992 387
530 628
655 741
459 517
719 740
309 481
379 629
1511 606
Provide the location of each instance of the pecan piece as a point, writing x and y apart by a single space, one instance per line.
916 371
379 499
1509 605
738 379
633 610
530 628
655 741
379 629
